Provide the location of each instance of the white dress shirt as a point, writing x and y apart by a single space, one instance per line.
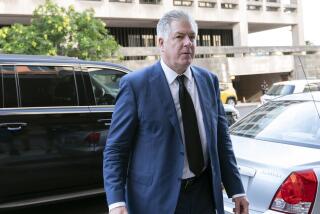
191 86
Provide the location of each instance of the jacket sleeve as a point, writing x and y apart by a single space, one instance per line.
228 166
119 142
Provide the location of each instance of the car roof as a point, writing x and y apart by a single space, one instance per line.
297 82
10 58
307 96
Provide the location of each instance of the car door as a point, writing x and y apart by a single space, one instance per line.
102 86
45 149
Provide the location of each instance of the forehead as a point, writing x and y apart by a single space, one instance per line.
182 26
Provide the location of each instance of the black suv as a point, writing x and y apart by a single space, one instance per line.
54 115
54 118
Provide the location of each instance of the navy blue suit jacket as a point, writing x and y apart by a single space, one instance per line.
144 154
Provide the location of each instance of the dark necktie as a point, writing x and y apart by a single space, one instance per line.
191 130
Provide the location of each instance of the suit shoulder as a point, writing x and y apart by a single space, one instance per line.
205 72
139 77
141 73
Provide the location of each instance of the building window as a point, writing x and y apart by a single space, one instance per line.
206 4
123 35
253 7
198 40
228 6
272 9
150 1
289 10
216 40
134 40
206 40
187 3
147 41
123 1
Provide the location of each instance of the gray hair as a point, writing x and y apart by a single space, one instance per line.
164 24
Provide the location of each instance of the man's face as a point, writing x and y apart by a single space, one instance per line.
177 51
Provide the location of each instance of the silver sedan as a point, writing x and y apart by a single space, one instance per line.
277 147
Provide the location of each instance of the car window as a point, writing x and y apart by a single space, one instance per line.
43 86
1 89
105 84
8 91
312 87
281 121
278 90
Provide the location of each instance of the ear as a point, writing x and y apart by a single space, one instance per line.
161 43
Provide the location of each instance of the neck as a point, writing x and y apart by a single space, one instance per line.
175 69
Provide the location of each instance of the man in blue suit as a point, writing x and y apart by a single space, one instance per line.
168 148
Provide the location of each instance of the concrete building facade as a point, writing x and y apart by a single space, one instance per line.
221 22
224 26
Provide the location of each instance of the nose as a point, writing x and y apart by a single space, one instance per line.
187 41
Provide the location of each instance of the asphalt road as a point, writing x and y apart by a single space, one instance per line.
94 205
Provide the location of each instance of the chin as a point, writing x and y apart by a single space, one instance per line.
186 62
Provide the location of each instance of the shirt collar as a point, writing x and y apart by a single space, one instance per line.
171 75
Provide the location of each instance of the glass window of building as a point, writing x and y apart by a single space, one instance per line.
216 40
206 40
187 3
124 1
150 1
207 4
134 40
228 6
147 41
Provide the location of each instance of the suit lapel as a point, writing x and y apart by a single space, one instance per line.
159 83
204 98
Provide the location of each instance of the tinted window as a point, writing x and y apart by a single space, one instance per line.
277 90
1 89
282 121
42 86
8 85
312 87
105 85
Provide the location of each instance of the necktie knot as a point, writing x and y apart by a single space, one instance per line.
180 79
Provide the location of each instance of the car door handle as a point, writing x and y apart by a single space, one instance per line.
106 122
13 126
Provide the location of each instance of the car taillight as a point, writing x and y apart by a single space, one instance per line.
297 193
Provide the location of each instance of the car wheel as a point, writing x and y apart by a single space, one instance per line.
231 101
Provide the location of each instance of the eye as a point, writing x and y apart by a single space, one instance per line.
192 37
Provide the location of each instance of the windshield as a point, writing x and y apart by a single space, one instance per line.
278 90
295 122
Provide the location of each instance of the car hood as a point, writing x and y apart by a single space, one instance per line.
274 154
